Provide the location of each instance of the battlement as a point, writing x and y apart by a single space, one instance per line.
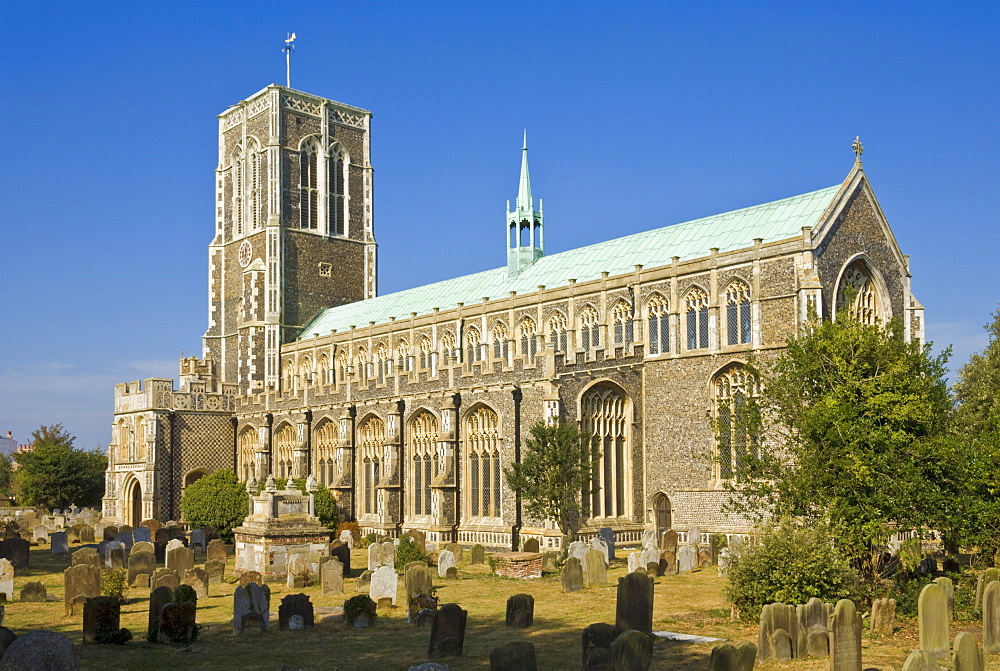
157 393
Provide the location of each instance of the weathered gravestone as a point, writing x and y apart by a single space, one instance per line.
650 559
813 632
197 579
251 576
985 578
198 539
631 651
883 620
109 533
607 535
949 594
216 571
142 534
781 646
991 618
530 545
478 554
34 592
421 610
80 580
694 536
173 542
932 617
251 607
102 622
179 559
920 661
374 556
728 657
87 556
596 573
668 541
178 622
343 553
451 573
16 550
125 538
300 573
158 598
845 637
60 544
687 558
774 618
116 558
7 579
41 650
140 563
446 559
383 585
457 551
73 534
966 654
579 549
634 560
648 539
40 534
634 609
87 534
572 575
216 550
520 610
668 563
295 605
364 580
164 577
514 656
347 538
331 576
597 640
448 631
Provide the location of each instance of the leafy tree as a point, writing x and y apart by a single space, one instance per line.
977 387
6 475
55 474
857 423
556 472
218 500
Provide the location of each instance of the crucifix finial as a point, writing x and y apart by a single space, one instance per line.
858 149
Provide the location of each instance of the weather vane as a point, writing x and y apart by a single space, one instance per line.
858 149
288 49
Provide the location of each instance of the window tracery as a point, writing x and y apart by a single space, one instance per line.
372 443
484 473
529 341
858 287
423 454
605 411
326 451
590 333
309 185
622 316
284 451
473 349
501 346
658 317
737 439
738 312
696 304
557 332
337 168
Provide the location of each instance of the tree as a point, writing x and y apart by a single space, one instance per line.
55 474
855 423
218 500
556 472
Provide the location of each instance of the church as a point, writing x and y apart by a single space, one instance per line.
408 406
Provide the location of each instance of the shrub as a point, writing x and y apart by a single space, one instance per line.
408 551
218 500
114 584
366 540
787 563
357 605
326 508
353 527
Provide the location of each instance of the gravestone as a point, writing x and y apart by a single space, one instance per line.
451 573
687 558
448 631
668 542
73 534
197 579
87 556
347 538
579 549
845 637
343 553
173 543
383 585
179 558
102 622
216 571
458 551
632 650
776 617
80 580
597 543
705 558
597 639
932 617
7 579
142 534
991 618
125 538
41 649
140 562
87 534
649 556
365 580
216 550
813 631
728 657
596 573
299 571
164 578
446 560
109 533
530 545
388 554
374 552
40 534
514 656
292 605
178 622
883 620
966 654
520 610
251 606
781 646
251 576
34 592
668 563
331 576
198 539
633 559
116 559
158 598
608 536
478 555
16 550
572 575
60 545
985 578
634 609
949 594
920 661
694 536
549 560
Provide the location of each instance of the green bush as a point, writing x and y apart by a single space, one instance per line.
114 583
357 605
408 551
218 500
326 508
787 563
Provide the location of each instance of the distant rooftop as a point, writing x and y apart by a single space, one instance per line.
778 220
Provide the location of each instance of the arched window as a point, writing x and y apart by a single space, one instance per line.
482 437
737 435
404 360
309 185
501 345
325 369
248 453
284 451
859 294
621 313
604 411
288 375
557 332
738 312
590 333
140 438
371 440
383 362
363 371
325 440
306 371
425 353
696 303
658 317
529 341
473 348
423 454
255 201
337 171
448 347
123 441
343 362
239 184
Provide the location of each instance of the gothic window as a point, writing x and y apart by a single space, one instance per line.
371 440
383 363
501 345
590 334
448 346
622 315
123 441
529 342
736 439
325 370
342 365
859 294
335 189
363 372
140 439
659 325
473 349
557 332
738 312
423 453
405 361
238 190
326 450
425 353
696 304
284 451
256 191
248 453
309 186
484 475
289 373
604 410
305 371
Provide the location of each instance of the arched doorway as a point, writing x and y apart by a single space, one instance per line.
134 498
661 515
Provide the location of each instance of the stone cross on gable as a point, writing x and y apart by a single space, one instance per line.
858 149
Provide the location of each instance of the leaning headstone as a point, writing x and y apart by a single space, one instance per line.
514 656
991 618
478 554
949 594
520 610
920 661
596 573
572 575
597 543
7 579
845 637
530 545
932 616
727 657
292 605
776 617
80 580
448 631
384 584
966 654
634 609
34 591
41 649
331 576
607 534
687 558
180 559
446 560
883 620
216 550
813 630
251 606
631 650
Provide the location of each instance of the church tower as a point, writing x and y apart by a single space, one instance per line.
293 226
525 233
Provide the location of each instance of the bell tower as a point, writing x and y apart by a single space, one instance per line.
293 226
525 232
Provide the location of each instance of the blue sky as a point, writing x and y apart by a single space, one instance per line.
638 115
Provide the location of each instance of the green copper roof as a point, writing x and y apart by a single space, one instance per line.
779 220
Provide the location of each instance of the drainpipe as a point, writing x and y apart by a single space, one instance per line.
458 467
515 531
309 433
170 467
235 423
353 412
269 418
401 460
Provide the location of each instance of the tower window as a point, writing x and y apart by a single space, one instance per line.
308 187
335 188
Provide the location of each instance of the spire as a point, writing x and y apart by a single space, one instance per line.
525 236
524 203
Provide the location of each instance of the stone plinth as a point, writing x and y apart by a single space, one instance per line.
521 565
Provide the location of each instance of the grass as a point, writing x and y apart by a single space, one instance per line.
690 603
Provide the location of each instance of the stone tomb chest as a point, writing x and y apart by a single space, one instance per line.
280 524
